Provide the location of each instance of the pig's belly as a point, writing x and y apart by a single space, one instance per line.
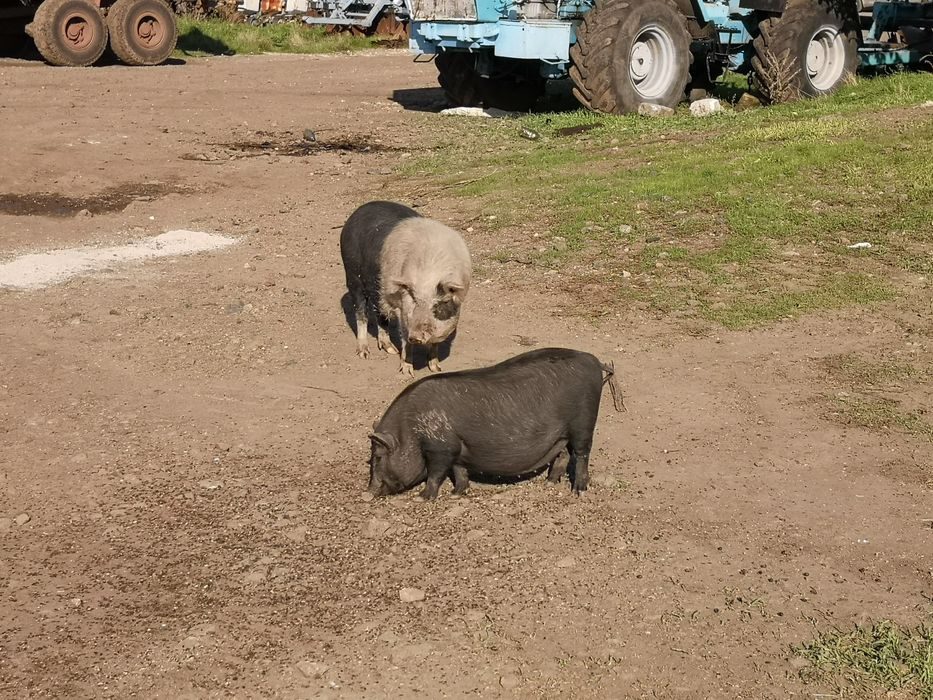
509 457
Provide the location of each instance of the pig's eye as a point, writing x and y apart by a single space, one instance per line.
444 310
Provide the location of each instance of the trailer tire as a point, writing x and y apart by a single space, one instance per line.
142 32
69 32
456 73
811 49
628 53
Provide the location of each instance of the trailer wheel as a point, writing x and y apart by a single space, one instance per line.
456 73
628 53
69 32
808 51
142 32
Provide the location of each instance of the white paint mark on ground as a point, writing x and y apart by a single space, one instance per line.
37 270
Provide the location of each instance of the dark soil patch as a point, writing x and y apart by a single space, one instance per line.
62 206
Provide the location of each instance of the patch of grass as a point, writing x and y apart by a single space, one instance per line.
214 37
880 413
882 656
745 215
834 293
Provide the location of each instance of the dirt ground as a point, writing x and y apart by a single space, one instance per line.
188 437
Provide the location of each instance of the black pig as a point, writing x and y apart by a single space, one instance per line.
533 410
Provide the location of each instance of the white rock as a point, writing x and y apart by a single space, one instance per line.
312 669
411 595
22 519
703 108
646 109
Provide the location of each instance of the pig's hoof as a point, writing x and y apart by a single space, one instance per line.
363 353
434 365
407 368
428 494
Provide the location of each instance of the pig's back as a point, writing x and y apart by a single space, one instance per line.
511 416
365 233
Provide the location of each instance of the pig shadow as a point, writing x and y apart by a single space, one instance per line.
419 355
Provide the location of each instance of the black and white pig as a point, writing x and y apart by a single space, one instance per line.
402 265
531 411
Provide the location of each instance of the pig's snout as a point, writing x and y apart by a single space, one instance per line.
420 337
377 488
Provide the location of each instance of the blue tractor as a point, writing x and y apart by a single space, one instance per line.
621 53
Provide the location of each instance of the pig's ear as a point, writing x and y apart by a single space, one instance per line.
387 440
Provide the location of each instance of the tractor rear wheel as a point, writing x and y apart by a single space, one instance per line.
142 32
807 51
69 32
631 52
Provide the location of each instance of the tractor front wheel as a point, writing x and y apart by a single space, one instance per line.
142 32
456 73
807 51
631 52
69 32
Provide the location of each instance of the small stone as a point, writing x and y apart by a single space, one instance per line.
605 480
566 563
22 519
309 135
697 94
377 528
76 602
510 681
296 534
234 307
747 101
190 643
255 577
209 485
626 274
366 496
411 595
248 266
410 652
646 109
624 229
559 242
927 105
312 669
85 213
703 108
529 134
455 512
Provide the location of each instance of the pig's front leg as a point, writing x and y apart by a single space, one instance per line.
439 465
383 340
405 367
434 363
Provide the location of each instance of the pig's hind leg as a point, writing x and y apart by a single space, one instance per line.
461 480
362 323
559 467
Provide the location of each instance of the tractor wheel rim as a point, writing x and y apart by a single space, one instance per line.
652 64
149 31
826 57
78 31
